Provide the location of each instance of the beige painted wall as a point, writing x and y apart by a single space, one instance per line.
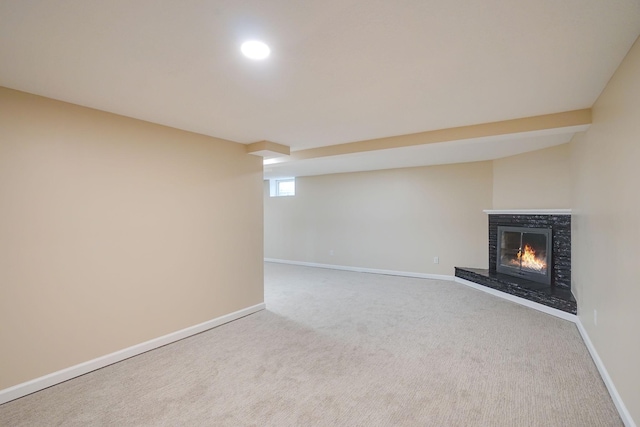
114 231
547 172
395 219
606 228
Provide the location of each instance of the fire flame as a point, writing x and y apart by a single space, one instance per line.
527 259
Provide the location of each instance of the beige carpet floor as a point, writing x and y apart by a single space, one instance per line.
338 348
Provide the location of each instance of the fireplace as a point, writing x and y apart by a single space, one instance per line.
525 252
529 257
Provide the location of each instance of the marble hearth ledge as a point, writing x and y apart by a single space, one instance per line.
528 212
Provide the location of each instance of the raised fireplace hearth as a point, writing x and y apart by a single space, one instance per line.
529 257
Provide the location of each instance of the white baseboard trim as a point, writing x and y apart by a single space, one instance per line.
54 378
615 396
531 304
363 269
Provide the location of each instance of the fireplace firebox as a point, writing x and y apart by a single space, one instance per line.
525 252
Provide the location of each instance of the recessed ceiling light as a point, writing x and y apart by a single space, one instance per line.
255 50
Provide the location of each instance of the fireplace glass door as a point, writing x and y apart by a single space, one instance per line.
525 252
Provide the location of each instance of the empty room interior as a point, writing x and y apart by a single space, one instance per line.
319 213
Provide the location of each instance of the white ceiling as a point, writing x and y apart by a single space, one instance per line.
340 70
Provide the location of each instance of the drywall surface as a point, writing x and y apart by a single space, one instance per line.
536 180
115 231
397 219
606 228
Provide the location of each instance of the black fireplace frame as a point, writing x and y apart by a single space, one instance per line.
558 295
518 272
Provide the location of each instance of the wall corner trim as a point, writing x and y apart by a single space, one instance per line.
608 382
57 377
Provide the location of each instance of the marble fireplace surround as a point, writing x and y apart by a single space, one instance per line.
558 294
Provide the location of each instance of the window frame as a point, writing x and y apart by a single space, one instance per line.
274 187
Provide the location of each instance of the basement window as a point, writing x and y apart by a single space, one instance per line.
280 187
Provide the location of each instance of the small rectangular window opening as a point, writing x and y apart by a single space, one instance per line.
280 187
